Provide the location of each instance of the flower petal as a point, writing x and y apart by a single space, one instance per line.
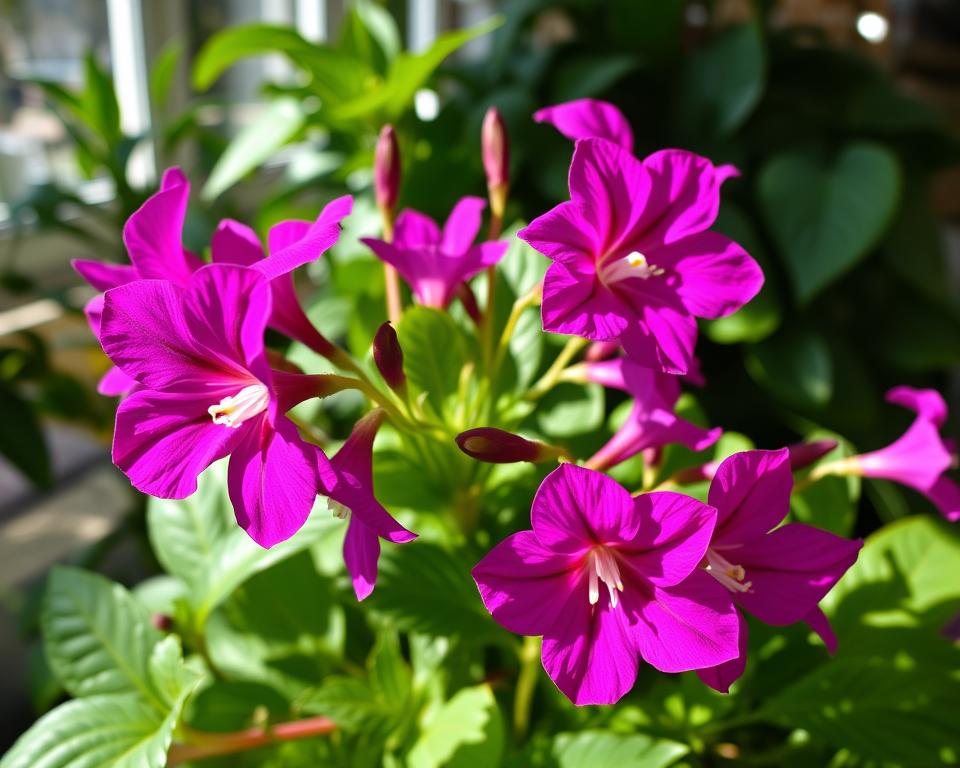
415 230
717 276
103 276
819 623
577 304
115 383
323 233
751 491
591 655
664 339
162 442
563 234
927 403
722 676
916 459
523 584
674 534
945 493
790 570
272 480
462 225
235 243
692 625
589 118
361 552
575 508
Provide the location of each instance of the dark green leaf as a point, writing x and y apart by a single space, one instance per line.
794 366
21 439
830 503
590 76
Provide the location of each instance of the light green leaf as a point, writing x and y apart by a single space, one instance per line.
370 33
171 678
99 101
570 409
434 352
723 82
163 72
602 748
273 127
466 732
119 731
826 216
521 265
235 43
98 638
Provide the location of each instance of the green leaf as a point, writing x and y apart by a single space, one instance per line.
232 706
171 678
163 72
119 730
795 366
390 675
466 732
570 409
21 438
830 503
370 33
350 703
408 73
596 748
98 639
99 101
826 216
521 265
723 82
235 43
273 127
425 588
434 352
590 76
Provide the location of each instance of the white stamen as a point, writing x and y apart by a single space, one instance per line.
633 265
247 403
602 566
339 510
730 575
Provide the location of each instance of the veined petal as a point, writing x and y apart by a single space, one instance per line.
525 585
115 383
589 118
672 540
361 554
321 235
664 338
462 225
162 442
577 304
104 276
692 625
751 492
591 655
722 676
575 508
916 459
272 480
235 243
790 570
563 234
415 230
717 276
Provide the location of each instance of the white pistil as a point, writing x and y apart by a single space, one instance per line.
234 410
730 575
602 566
633 265
339 510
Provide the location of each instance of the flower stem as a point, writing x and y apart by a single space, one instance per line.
528 300
553 374
838 468
217 744
390 276
526 684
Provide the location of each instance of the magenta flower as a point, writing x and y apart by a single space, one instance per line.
777 574
633 260
920 458
589 119
348 480
652 422
435 262
153 239
205 391
608 580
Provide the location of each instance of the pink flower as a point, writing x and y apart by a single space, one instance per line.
434 263
777 574
348 480
633 260
920 458
652 422
205 390
589 119
153 239
608 580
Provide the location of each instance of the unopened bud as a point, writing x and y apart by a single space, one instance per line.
496 159
601 350
804 454
162 622
389 357
497 446
386 169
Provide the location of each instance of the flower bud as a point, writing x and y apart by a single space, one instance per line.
389 357
496 159
162 622
386 169
497 446
804 454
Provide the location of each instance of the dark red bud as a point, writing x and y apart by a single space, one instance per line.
496 150
162 622
497 446
386 169
804 454
469 301
389 357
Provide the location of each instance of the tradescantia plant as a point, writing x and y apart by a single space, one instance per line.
318 607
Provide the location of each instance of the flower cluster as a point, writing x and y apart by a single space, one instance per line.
608 577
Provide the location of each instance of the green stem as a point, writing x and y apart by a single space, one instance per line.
526 684
528 300
839 468
549 380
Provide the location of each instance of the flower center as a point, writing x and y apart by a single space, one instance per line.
730 575
339 510
234 410
602 566
633 265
